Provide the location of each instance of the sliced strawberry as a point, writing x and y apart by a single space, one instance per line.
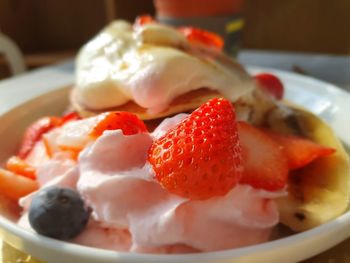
143 19
21 167
129 123
201 157
271 84
299 151
265 164
196 35
71 116
73 152
34 133
16 186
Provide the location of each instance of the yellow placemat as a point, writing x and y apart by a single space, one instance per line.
338 254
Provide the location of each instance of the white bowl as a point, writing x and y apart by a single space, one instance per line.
322 98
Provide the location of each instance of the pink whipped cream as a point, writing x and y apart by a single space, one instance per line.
132 212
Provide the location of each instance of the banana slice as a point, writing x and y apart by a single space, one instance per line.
320 191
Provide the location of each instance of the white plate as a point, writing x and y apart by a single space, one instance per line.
324 99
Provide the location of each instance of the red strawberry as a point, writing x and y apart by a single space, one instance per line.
196 35
16 186
21 167
201 157
143 19
265 164
299 151
71 116
271 84
129 123
34 133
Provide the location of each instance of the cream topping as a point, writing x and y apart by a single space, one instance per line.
131 211
150 65
121 190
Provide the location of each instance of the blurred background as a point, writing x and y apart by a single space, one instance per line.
49 31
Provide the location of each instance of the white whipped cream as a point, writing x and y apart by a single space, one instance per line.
148 65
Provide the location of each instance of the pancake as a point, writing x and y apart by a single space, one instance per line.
320 191
169 73
184 103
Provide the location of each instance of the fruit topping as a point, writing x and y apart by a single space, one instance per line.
70 116
58 213
127 122
201 157
299 151
34 133
200 36
143 19
271 84
265 163
15 186
21 167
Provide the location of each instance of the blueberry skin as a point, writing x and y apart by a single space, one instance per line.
58 213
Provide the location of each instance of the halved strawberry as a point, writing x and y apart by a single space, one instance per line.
34 133
16 186
143 19
70 116
271 84
73 152
265 163
129 123
21 167
201 157
299 151
196 35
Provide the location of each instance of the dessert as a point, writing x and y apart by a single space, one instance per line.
154 71
174 148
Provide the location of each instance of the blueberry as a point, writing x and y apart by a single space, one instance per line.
58 213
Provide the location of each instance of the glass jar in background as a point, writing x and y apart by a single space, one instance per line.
220 16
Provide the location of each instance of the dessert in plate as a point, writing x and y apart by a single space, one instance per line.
172 147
